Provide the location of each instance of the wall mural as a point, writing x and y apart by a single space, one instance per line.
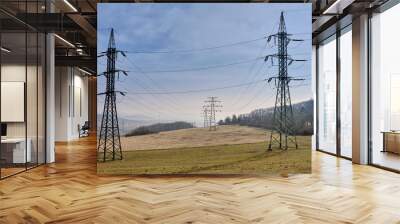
204 89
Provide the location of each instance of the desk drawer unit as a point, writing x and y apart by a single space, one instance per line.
391 142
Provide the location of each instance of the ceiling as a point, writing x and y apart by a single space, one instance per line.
74 22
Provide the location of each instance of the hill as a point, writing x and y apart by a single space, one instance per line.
125 125
159 127
263 118
195 137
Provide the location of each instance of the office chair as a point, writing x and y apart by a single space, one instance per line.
84 130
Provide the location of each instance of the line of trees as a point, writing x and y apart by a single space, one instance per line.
159 127
263 118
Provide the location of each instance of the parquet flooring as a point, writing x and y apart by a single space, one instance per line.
69 191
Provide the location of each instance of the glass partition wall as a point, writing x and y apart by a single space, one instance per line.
22 101
385 90
334 94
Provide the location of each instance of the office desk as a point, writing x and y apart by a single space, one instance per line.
13 150
391 141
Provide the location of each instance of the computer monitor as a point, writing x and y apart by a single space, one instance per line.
3 129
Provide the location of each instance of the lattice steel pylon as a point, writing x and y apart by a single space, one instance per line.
282 134
205 116
109 143
212 107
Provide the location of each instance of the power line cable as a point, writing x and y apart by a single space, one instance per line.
205 67
195 49
251 74
138 68
210 66
257 95
172 107
254 76
237 97
200 90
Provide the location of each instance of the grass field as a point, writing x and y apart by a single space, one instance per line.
246 158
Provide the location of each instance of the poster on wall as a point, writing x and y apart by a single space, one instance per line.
204 89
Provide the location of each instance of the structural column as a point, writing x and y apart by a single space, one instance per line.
360 89
50 92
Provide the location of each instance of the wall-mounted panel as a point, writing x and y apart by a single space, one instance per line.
12 101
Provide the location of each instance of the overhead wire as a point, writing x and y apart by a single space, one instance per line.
208 67
195 49
240 92
144 72
171 107
200 90
140 70
254 76
203 68
257 95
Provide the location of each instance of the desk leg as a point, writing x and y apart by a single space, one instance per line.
384 142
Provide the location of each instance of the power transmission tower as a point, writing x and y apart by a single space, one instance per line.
212 106
282 133
205 116
109 145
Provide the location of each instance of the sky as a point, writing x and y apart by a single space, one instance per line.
164 28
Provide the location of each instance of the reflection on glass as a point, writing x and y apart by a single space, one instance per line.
22 92
13 85
327 96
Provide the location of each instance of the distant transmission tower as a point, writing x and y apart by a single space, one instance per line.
282 134
109 145
205 116
212 107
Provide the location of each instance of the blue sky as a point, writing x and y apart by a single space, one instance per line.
166 27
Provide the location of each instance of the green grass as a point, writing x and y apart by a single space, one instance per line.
222 159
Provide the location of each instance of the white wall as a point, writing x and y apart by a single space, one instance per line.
61 103
71 94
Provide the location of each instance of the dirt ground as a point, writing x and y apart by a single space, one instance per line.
195 137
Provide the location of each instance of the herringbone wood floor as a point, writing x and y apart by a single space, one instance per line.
69 191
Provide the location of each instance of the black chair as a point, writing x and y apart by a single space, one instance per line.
84 130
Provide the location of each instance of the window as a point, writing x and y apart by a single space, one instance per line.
346 92
385 89
327 95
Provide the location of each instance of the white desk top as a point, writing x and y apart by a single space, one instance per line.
13 140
